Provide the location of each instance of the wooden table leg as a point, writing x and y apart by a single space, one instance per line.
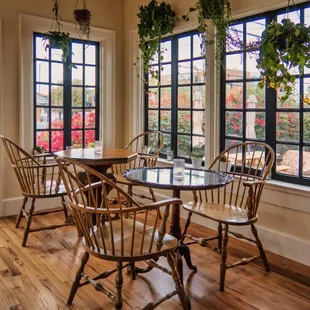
175 230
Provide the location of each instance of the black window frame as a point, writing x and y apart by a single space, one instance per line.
271 106
67 107
174 95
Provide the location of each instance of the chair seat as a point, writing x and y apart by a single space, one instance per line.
122 180
222 213
169 242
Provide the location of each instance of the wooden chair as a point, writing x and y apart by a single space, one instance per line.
147 157
124 240
37 180
237 203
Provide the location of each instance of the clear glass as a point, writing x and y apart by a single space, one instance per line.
178 168
98 146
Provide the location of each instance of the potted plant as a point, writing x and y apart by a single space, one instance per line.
156 20
284 46
56 38
196 157
82 20
225 164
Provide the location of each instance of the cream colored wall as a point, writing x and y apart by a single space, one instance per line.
281 228
105 14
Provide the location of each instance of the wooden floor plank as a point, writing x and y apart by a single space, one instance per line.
40 276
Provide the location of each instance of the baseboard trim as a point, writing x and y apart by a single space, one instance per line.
12 206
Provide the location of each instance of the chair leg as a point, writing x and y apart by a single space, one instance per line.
220 234
27 228
20 215
64 205
187 223
223 259
177 281
260 248
78 277
119 285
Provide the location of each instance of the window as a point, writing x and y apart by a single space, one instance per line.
177 106
249 113
66 98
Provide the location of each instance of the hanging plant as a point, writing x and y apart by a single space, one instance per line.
82 20
285 46
156 20
56 38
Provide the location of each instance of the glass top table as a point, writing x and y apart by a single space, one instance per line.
194 179
162 177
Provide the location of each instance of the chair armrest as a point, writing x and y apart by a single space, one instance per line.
162 203
253 183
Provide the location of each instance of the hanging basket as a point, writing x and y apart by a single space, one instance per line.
82 16
82 20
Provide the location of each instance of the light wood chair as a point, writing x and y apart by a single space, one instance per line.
123 240
148 154
38 180
237 203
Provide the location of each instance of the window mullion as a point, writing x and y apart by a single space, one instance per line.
174 93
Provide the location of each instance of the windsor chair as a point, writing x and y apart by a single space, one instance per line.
237 203
38 179
123 240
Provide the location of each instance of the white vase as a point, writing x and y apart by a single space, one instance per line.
225 164
197 162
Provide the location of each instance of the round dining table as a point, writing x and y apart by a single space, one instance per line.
192 180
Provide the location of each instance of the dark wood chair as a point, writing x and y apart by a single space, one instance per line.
123 239
237 203
148 154
38 180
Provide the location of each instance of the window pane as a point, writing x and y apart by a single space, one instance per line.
287 159
236 32
165 97
90 54
90 118
57 73
184 121
165 121
307 127
184 70
165 75
89 138
77 96
234 95
255 125
42 71
57 141
76 120
306 162
184 97
90 97
42 118
56 54
184 48
184 145
251 70
77 50
153 120
287 128
152 81
306 96
153 98
255 96
42 95
77 75
42 140
76 138
167 144
234 66
229 142
199 97
196 46
199 120
199 142
294 16
254 30
166 47
233 124
57 118
57 96
198 71
293 100
90 76
40 49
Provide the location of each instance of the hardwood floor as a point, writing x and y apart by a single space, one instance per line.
40 276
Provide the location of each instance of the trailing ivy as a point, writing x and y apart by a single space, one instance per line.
284 46
156 20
